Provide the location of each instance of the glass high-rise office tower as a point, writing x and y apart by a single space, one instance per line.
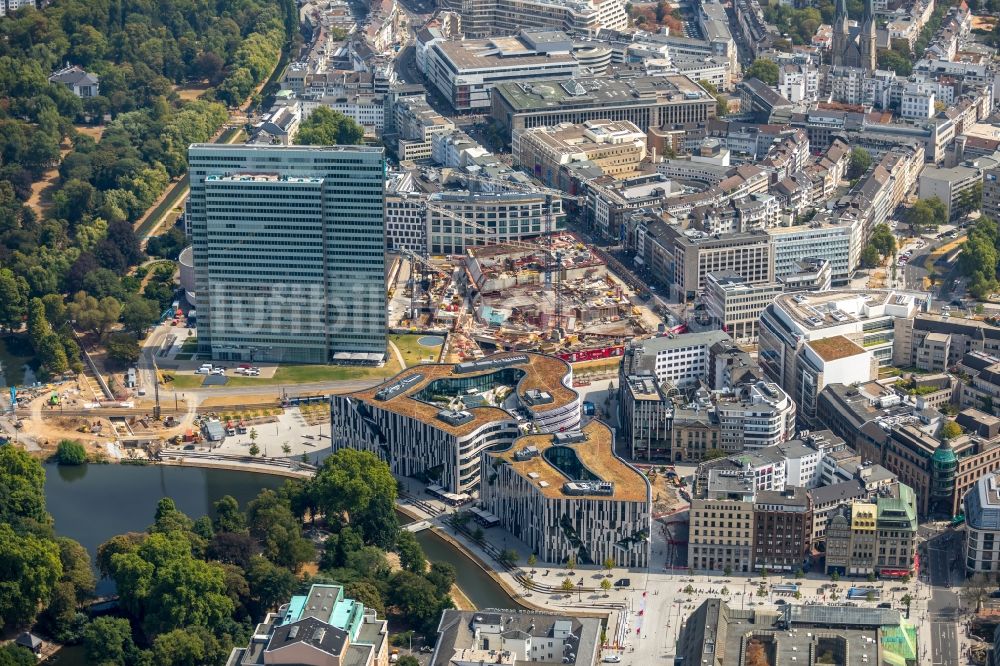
288 251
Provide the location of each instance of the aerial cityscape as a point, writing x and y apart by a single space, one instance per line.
468 332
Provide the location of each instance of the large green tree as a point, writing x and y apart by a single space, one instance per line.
22 490
12 299
108 640
359 485
278 531
29 570
763 69
326 127
861 161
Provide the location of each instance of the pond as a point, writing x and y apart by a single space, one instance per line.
93 503
15 354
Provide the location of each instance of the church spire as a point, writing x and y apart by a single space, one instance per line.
866 38
841 35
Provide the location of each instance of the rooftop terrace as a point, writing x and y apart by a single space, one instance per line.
595 453
400 394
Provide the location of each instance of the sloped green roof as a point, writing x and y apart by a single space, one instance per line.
905 504
900 641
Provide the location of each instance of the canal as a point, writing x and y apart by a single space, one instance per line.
93 503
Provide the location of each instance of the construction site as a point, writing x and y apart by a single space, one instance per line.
551 294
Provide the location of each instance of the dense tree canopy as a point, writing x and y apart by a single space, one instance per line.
326 127
927 214
763 69
979 257
82 237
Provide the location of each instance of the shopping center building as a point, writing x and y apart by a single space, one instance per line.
434 421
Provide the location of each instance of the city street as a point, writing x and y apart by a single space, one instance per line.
944 573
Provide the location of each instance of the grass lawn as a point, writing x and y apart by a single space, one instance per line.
295 374
182 382
184 357
190 345
412 351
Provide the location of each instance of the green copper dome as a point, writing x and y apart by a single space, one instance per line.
944 456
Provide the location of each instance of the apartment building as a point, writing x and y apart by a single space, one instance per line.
721 533
319 627
287 268
782 529
645 101
414 422
568 495
735 305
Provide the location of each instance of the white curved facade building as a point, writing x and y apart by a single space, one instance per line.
186 261
434 421
568 494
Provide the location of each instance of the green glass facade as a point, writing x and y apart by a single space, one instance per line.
289 251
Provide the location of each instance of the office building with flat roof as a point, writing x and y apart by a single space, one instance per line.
681 360
982 519
465 72
645 101
717 633
809 339
568 495
289 252
435 420
483 18
736 305
614 147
